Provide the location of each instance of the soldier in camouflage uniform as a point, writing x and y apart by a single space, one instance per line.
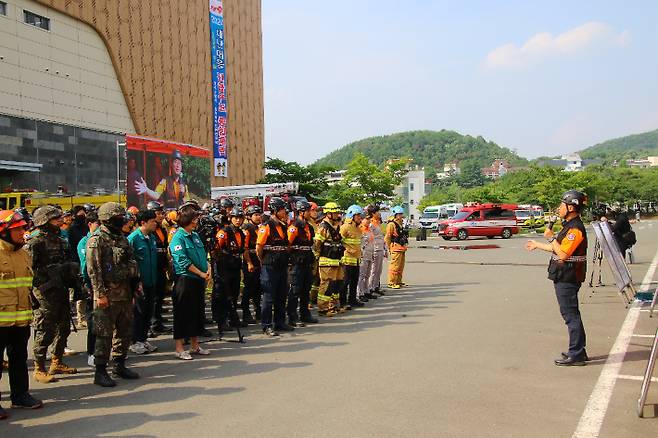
54 272
114 276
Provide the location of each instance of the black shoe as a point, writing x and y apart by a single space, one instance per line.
364 299
26 401
120 370
208 321
379 292
101 378
224 327
585 357
356 303
206 333
570 362
285 328
269 331
371 296
309 319
296 324
151 334
3 414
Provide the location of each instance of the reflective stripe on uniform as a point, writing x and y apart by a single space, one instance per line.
351 261
16 316
350 241
325 261
16 282
274 248
320 238
570 259
323 298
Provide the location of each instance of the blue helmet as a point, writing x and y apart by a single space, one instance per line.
397 210
353 210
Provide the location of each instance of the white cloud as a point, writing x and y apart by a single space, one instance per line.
544 45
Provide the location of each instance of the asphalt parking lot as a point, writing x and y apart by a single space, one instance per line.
465 351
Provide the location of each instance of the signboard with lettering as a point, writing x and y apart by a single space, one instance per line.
219 101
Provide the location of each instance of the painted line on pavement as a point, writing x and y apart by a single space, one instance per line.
591 421
644 336
638 378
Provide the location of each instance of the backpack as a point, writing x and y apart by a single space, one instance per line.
629 239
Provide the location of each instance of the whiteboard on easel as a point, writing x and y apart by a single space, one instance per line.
613 255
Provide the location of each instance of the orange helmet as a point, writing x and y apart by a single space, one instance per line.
11 219
314 206
134 210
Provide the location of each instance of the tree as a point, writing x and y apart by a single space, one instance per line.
470 175
312 179
365 182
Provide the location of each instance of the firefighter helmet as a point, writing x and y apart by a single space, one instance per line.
331 207
154 205
236 212
301 206
254 209
353 210
575 198
276 204
397 210
11 219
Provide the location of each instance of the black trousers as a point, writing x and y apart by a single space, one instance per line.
187 299
89 315
301 279
567 299
226 289
350 285
159 294
14 339
142 311
251 291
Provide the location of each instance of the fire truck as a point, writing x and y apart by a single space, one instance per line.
259 194
31 200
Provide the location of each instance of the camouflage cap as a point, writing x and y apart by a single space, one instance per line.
110 210
44 214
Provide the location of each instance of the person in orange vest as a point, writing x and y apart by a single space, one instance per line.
396 240
15 308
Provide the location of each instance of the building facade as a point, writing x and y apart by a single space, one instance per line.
412 190
75 75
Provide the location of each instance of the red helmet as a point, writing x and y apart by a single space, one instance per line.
134 210
11 219
314 206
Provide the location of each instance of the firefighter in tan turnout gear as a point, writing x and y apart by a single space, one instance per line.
397 240
329 249
351 233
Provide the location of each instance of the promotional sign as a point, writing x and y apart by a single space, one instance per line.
167 172
218 71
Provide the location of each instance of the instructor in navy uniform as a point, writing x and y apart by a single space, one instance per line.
567 270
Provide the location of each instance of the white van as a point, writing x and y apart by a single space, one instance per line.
434 214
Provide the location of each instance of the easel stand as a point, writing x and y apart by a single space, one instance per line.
597 258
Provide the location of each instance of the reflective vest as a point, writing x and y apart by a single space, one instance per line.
250 231
15 284
573 269
170 196
231 255
275 250
351 234
331 248
302 246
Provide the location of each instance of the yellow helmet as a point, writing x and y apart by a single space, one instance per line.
331 207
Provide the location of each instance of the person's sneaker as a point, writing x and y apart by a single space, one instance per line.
3 414
26 401
269 331
90 360
394 286
200 351
149 347
138 348
363 299
183 355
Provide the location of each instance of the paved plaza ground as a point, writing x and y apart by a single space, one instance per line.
465 351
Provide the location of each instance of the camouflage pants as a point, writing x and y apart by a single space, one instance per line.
52 325
113 327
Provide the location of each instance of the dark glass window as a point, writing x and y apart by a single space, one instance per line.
37 20
3 8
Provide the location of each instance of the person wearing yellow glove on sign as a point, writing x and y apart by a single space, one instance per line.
567 270
396 240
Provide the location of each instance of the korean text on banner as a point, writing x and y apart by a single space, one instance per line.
218 69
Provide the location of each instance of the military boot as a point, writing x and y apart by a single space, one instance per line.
120 370
40 374
59 367
101 378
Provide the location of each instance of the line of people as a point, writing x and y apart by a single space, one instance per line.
127 261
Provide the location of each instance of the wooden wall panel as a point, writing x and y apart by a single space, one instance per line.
161 53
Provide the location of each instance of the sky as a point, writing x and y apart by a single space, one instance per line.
541 78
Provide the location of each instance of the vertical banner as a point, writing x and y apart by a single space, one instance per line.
218 71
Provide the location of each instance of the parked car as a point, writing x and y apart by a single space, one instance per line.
488 220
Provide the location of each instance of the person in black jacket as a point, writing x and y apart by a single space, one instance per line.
621 229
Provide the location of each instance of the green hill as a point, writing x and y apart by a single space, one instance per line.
631 146
430 149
